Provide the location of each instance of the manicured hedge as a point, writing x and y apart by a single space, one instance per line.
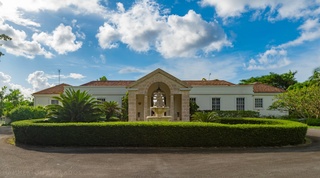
237 133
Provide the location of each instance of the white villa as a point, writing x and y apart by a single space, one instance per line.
208 94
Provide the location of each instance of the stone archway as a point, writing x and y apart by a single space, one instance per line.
176 91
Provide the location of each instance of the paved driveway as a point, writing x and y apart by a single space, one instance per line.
28 161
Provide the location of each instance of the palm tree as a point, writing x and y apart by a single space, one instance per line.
76 106
205 116
315 78
110 108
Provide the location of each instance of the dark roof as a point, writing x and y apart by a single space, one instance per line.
208 82
53 90
109 83
264 88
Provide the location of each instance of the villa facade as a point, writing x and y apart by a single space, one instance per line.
208 94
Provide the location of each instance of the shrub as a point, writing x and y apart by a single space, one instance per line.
229 114
27 112
76 106
264 132
313 122
193 107
205 116
110 109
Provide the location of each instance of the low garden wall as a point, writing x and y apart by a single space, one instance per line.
230 132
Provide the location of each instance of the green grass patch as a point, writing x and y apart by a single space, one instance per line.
230 132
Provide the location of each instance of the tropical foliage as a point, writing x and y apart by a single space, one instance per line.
205 116
283 81
125 107
193 107
110 109
76 106
301 102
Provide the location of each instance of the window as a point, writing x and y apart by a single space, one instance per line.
216 104
193 100
240 104
54 102
258 103
101 99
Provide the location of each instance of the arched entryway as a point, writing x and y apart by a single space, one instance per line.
175 95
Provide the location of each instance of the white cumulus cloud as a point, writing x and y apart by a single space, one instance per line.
19 45
276 57
310 31
75 76
15 11
61 39
38 80
4 78
146 27
275 9
270 59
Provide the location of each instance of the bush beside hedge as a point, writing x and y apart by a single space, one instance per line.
27 112
161 134
312 122
238 114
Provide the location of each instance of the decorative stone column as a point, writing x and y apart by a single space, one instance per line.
172 107
185 106
132 113
146 107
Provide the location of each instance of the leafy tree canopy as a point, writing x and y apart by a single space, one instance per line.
283 81
103 78
314 79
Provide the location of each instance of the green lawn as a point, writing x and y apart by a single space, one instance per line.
314 127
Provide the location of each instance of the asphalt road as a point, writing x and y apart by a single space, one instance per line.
30 161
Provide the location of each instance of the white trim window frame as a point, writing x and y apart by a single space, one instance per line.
193 99
216 104
53 101
101 99
240 103
258 103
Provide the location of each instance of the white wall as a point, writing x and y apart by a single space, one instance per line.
203 95
43 100
227 95
268 99
109 93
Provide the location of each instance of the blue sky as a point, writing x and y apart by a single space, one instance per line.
124 40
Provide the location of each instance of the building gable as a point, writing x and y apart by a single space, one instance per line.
159 75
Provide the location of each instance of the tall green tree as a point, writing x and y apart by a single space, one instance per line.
103 78
315 78
5 38
2 100
76 106
283 81
300 102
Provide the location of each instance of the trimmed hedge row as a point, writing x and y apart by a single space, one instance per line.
264 132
